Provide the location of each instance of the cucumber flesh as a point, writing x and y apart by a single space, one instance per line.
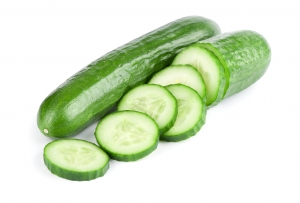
154 100
75 159
210 69
191 113
181 74
127 135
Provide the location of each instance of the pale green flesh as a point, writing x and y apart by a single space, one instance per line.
76 155
154 100
180 74
189 109
208 66
127 133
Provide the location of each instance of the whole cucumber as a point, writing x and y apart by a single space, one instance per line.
92 92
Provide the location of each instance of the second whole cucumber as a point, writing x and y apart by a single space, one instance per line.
229 62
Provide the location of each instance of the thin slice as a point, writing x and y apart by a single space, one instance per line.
191 113
75 159
210 69
127 135
154 100
181 74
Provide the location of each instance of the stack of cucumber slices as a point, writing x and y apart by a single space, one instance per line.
171 107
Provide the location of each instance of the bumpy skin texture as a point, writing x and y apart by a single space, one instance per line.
245 56
93 92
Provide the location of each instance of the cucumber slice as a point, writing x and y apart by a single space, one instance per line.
75 159
154 100
94 91
209 67
127 135
191 113
181 74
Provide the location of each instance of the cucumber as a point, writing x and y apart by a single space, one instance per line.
245 55
127 135
155 101
191 113
209 67
75 159
180 74
95 90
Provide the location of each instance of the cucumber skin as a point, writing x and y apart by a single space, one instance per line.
92 92
74 175
244 54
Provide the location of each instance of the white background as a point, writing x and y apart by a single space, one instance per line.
248 150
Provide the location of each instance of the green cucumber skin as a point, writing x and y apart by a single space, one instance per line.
74 175
94 91
245 56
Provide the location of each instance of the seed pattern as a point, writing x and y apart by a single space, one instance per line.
205 75
151 104
128 133
180 80
77 155
184 108
197 64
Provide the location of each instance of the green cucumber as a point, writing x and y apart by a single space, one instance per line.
154 100
94 91
127 135
181 74
245 55
75 159
191 113
210 69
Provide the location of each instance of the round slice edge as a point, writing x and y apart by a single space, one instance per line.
210 69
191 113
181 74
75 159
154 100
127 135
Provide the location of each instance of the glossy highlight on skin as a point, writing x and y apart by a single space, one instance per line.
94 91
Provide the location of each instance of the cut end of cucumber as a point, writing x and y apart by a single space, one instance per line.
210 69
75 159
181 74
155 101
127 135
